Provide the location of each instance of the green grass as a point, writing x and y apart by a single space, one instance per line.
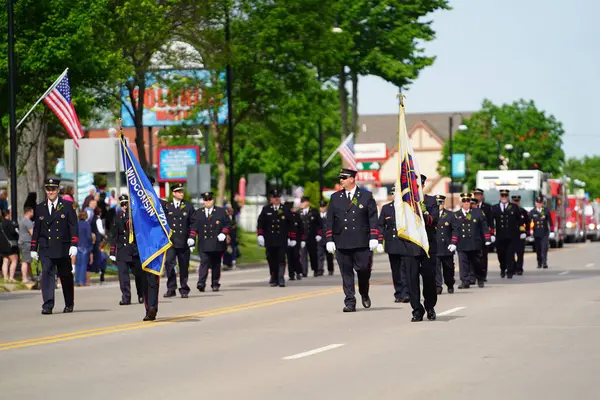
251 252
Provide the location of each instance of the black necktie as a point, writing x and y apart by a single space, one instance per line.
51 208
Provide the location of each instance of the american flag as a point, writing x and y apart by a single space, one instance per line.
346 150
59 101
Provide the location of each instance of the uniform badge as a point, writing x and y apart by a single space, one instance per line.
360 206
283 217
543 217
62 216
447 223
475 220
184 214
217 222
41 217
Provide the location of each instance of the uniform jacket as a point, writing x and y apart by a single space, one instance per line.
312 225
274 226
296 226
323 223
54 234
351 224
542 222
433 211
181 221
507 223
210 227
118 238
470 232
487 209
393 244
524 224
444 232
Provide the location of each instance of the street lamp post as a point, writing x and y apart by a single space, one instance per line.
229 108
12 118
461 127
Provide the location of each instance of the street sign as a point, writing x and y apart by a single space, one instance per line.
369 166
458 166
367 176
198 179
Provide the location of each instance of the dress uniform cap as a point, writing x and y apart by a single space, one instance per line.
52 183
304 198
347 173
275 193
504 192
516 198
423 179
177 187
323 203
539 199
123 199
474 200
439 197
465 196
478 191
207 196
151 179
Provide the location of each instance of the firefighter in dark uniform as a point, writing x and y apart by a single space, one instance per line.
397 249
311 220
125 254
212 225
180 217
487 210
523 228
295 268
445 258
470 233
542 226
351 232
54 242
323 254
507 225
273 230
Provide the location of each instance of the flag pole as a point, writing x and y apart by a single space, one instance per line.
43 96
337 150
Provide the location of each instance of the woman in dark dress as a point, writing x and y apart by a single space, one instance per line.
9 249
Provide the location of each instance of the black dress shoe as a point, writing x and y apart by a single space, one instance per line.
480 284
124 303
366 302
330 273
141 300
299 277
502 274
397 300
519 273
431 315
509 276
464 286
406 300
215 289
270 284
46 312
282 285
169 294
451 289
151 314
184 295
201 289
68 309
439 290
545 267
539 266
417 318
349 309
292 278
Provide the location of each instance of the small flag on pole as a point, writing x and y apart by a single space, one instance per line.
408 196
59 100
346 150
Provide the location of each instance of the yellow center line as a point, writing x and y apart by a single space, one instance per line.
183 317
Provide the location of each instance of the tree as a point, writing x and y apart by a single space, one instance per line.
586 169
519 124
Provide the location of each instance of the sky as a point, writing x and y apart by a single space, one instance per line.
540 50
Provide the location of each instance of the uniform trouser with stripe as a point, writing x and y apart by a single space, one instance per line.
484 260
180 256
294 264
520 253
151 284
399 276
444 271
470 269
276 260
210 260
425 267
350 260
310 250
507 249
50 266
124 268
541 250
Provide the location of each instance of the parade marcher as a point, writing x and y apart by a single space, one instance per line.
543 228
295 267
151 281
397 249
351 232
507 222
311 221
323 254
212 225
125 254
470 233
273 230
487 210
523 228
54 242
445 258
180 217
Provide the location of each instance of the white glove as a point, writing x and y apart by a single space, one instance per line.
192 249
373 244
523 235
190 242
113 258
302 245
72 251
493 238
380 248
318 238
330 247
34 255
552 236
291 243
221 237
452 248
488 243
261 241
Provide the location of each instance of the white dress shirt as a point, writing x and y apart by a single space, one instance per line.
208 212
352 193
55 202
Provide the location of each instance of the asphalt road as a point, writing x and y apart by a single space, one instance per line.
535 337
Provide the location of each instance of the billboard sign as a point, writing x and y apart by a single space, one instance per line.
367 176
163 108
458 166
173 162
370 151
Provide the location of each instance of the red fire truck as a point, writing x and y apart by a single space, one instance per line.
557 203
576 228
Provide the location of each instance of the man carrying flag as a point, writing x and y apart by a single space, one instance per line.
150 227
416 218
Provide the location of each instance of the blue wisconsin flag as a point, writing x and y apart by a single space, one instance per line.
408 198
152 232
